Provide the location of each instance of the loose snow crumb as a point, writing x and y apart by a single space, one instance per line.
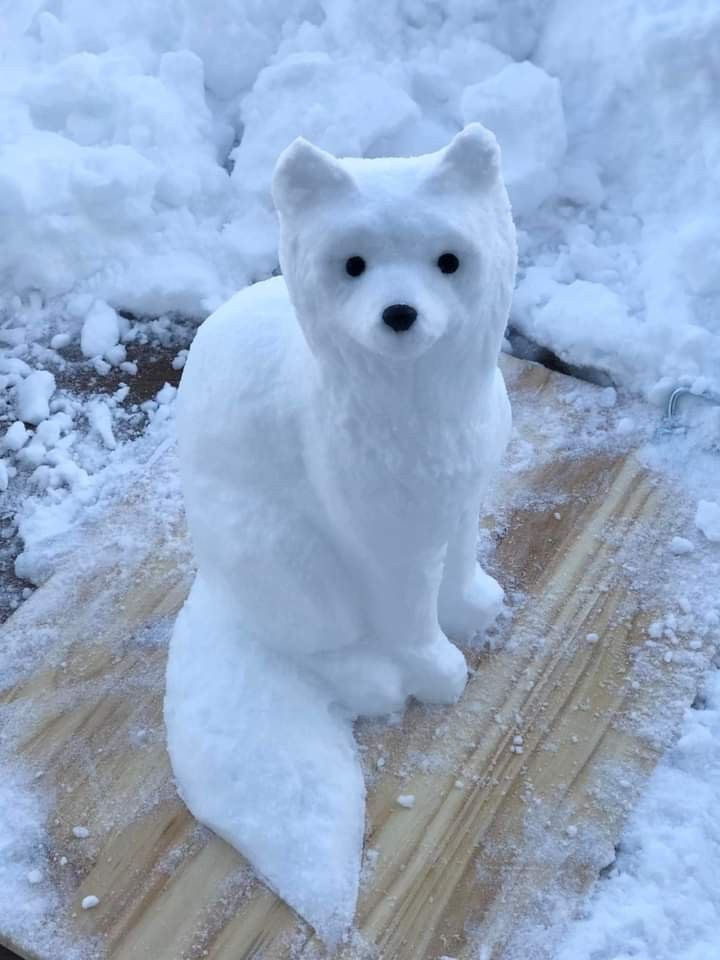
15 437
166 394
34 876
100 331
592 637
406 800
180 360
608 398
33 397
82 833
571 830
102 367
101 422
707 520
680 546
89 902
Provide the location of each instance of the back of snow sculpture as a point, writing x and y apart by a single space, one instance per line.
336 428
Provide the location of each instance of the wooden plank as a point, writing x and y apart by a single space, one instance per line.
498 840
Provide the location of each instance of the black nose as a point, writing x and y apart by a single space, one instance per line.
399 316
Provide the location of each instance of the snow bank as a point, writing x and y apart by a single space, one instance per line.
662 902
137 148
639 91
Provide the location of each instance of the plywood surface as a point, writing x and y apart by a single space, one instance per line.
521 789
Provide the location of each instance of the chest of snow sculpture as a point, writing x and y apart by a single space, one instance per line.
336 426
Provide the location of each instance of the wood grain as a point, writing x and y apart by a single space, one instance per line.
504 837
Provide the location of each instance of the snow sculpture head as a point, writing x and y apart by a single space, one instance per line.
394 256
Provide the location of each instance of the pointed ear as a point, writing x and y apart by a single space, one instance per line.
306 176
469 163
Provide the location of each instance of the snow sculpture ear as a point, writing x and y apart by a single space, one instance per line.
469 163
306 176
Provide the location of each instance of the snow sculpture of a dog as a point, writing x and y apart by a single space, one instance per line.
336 429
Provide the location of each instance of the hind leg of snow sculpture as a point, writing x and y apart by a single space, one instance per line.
470 599
365 681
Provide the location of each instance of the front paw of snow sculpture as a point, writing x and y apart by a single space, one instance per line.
336 428
260 758
438 672
473 609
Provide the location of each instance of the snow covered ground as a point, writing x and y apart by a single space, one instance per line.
661 899
136 148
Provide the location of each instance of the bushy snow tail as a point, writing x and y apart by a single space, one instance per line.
260 758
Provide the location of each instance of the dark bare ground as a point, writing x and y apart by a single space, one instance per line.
79 379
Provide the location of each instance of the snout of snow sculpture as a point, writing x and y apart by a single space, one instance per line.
336 428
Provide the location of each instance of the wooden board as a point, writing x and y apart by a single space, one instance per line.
504 836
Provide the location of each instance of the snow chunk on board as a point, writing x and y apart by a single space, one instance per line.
260 757
707 520
681 545
33 397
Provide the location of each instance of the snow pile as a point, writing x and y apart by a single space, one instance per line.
109 174
633 285
662 901
138 146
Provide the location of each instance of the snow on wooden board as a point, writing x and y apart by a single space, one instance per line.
486 822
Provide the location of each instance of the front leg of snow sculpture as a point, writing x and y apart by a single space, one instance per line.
336 427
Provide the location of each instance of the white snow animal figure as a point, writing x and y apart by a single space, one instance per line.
336 428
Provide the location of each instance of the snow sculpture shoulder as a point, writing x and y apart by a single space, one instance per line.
336 429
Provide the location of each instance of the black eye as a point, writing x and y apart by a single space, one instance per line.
448 262
355 266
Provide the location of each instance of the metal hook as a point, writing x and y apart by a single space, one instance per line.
674 399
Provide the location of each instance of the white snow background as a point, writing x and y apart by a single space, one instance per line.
136 147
